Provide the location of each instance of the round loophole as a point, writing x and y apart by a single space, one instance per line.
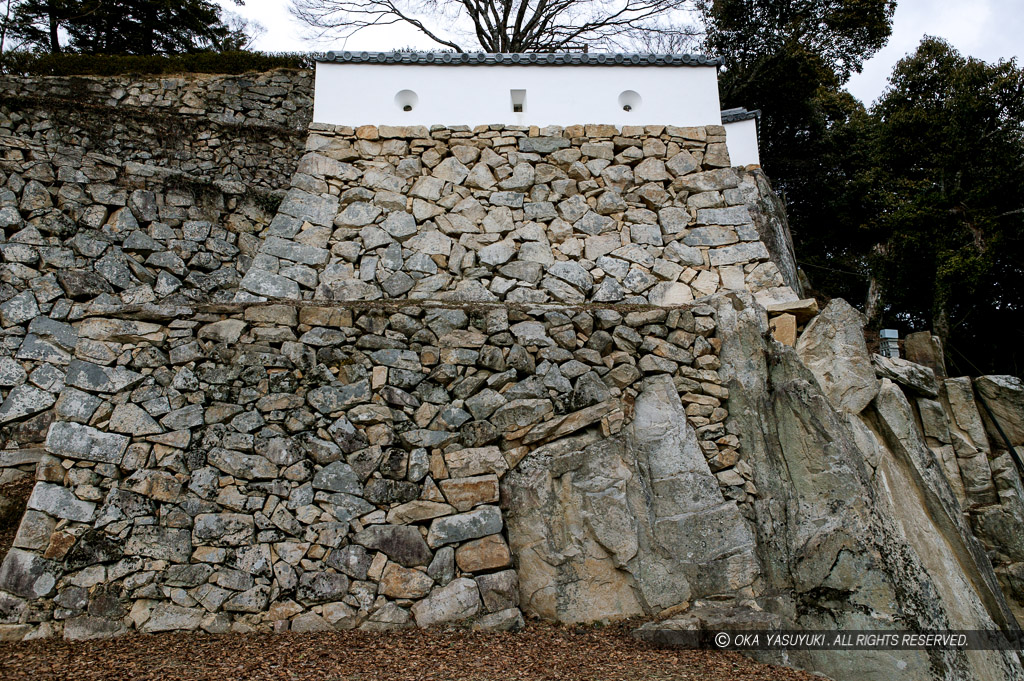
406 100
630 101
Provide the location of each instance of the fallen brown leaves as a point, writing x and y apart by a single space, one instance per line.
541 652
13 497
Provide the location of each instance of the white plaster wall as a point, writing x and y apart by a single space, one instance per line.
741 140
364 94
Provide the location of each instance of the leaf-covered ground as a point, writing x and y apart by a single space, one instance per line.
13 497
540 652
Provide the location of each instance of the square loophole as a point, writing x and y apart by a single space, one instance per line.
518 100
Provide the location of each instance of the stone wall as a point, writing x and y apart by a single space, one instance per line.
587 213
123 192
458 375
170 163
280 98
209 458
297 466
242 132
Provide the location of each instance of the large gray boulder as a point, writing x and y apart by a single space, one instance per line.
833 348
457 601
27 575
1004 396
916 378
624 526
76 441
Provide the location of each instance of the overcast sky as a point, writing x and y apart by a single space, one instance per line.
987 29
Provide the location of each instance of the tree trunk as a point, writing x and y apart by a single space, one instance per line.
3 25
54 35
875 302
940 311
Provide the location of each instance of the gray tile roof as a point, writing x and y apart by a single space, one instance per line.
533 58
740 114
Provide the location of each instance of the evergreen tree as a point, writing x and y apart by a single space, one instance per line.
789 58
37 22
125 26
948 152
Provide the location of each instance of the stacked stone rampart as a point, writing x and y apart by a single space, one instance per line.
143 189
568 215
278 465
281 98
220 448
384 377
245 418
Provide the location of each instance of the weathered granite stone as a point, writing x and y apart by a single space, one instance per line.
400 582
223 529
95 378
832 346
264 283
1004 396
338 477
27 575
499 590
463 526
915 377
170 617
77 441
162 543
503 620
61 502
321 587
87 628
19 309
481 555
133 420
25 400
458 600
401 543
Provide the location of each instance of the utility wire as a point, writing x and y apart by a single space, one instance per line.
832 269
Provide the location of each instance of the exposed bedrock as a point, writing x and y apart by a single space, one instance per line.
628 525
857 526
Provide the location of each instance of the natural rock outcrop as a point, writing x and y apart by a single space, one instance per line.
857 527
628 525
833 348
1004 396
304 464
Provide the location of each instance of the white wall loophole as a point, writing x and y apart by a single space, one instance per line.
630 100
406 100
518 100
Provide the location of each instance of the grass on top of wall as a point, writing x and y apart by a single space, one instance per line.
45 64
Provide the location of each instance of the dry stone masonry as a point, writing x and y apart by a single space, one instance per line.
241 423
327 466
586 214
271 380
140 190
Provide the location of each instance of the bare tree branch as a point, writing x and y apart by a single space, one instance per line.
513 25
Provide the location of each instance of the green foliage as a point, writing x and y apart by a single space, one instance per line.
44 64
789 59
143 27
916 206
923 198
840 34
949 147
